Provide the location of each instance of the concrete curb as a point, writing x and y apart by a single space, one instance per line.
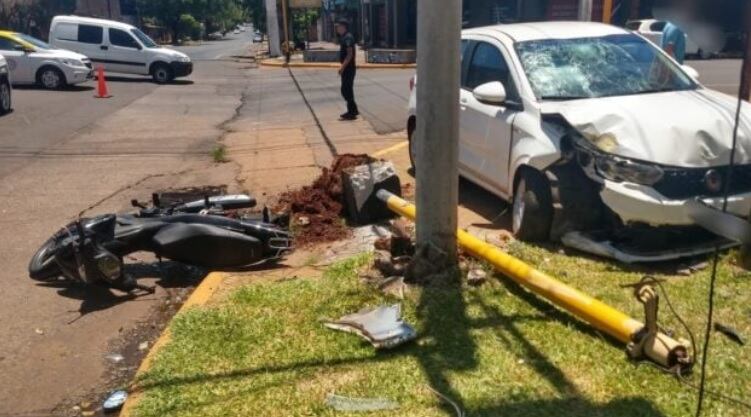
200 296
271 62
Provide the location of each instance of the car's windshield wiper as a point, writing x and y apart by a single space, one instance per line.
563 98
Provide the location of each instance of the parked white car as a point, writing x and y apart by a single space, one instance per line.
119 47
32 61
652 29
6 103
586 126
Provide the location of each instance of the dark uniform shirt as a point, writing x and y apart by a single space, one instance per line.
347 41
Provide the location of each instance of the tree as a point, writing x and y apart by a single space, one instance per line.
214 14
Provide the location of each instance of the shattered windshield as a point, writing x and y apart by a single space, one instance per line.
615 65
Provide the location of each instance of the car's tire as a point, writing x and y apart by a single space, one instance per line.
411 126
161 73
51 78
532 210
6 102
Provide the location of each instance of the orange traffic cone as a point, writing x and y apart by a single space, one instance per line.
101 84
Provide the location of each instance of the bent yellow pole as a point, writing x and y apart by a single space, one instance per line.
588 309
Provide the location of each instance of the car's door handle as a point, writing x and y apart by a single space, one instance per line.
104 47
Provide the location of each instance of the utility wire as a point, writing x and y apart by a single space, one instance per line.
713 279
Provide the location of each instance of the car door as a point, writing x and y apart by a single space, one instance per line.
90 42
19 62
486 129
125 53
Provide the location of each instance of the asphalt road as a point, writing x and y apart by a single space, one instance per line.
65 153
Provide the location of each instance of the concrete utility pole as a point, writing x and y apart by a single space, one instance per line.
437 134
585 10
272 25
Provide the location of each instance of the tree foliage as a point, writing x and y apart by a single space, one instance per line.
215 15
32 17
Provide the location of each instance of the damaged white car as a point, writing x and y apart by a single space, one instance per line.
597 138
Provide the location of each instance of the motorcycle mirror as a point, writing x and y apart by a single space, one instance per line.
135 203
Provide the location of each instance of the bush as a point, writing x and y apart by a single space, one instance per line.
189 27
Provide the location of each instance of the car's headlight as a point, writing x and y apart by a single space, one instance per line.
598 162
184 59
72 62
622 169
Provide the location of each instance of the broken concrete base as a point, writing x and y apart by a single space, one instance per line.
360 185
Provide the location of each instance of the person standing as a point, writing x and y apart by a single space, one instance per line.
674 42
347 69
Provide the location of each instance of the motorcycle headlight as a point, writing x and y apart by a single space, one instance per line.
621 169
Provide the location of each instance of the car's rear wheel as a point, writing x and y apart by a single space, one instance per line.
532 213
5 98
51 78
162 73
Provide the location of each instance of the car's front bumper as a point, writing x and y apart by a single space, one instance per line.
77 75
181 69
635 203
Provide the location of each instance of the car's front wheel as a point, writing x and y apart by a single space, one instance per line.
51 78
162 73
5 98
532 213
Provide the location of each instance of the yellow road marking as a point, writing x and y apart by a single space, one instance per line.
390 149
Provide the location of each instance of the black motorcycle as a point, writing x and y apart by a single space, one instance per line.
198 233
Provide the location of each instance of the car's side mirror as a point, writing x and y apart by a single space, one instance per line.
691 71
490 93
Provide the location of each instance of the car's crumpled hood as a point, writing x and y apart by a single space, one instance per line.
682 128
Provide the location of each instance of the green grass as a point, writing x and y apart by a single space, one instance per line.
219 154
496 350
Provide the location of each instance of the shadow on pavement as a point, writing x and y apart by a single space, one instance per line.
67 89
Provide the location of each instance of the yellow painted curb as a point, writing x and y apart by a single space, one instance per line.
394 148
200 296
280 64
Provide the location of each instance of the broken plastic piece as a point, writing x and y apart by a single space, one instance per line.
340 403
114 401
381 326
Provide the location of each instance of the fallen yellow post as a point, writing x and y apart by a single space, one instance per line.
642 343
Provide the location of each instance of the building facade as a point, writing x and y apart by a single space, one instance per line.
393 23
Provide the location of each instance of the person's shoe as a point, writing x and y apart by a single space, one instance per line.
343 115
348 116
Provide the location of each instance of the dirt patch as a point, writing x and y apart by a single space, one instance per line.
317 211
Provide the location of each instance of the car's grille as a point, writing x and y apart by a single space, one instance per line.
682 183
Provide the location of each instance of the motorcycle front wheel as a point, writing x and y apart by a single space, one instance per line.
42 266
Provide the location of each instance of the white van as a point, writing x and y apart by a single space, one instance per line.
119 47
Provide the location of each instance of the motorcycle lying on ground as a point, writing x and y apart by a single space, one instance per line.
198 233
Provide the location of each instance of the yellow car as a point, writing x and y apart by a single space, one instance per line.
32 61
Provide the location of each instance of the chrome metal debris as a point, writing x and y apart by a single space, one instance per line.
381 326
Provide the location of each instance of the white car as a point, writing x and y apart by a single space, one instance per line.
652 30
586 126
119 47
32 61
5 89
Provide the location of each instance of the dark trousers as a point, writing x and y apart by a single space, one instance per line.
348 91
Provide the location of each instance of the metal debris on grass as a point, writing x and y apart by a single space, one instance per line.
381 326
341 403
